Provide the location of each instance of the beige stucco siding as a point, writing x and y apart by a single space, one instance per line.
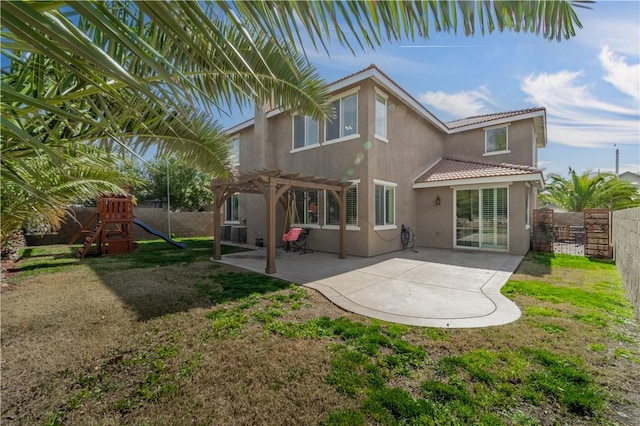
471 145
413 144
435 222
518 232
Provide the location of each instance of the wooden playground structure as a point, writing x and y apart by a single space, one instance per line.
113 229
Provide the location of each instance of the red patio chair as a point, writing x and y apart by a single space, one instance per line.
292 235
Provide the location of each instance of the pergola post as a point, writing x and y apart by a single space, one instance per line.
219 198
271 200
343 223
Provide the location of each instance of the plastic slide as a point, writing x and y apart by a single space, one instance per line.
162 235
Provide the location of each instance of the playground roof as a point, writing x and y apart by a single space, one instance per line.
273 184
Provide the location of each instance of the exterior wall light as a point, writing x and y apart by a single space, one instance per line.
438 200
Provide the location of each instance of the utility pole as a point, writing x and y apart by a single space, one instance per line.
617 160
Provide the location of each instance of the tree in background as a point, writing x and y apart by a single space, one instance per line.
589 191
188 185
84 172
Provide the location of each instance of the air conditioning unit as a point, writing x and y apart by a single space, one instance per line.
225 233
239 234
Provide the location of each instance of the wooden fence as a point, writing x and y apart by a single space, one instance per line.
597 233
590 237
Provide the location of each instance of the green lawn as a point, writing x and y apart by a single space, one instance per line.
164 336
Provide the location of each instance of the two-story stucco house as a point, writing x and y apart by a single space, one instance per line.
468 184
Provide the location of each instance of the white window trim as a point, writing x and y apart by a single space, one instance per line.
489 154
293 135
326 204
342 95
455 209
504 151
305 148
337 227
384 182
234 138
345 94
231 222
395 202
385 227
386 117
309 225
343 139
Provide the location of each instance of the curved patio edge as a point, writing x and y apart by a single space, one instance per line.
505 311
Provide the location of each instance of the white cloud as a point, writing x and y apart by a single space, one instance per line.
578 118
459 104
624 77
624 167
544 165
620 33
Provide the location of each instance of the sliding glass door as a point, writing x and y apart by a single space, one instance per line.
482 218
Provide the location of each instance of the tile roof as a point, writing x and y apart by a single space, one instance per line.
447 169
346 77
489 117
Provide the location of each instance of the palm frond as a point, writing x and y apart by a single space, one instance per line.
588 191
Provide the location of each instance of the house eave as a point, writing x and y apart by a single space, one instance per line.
396 90
250 122
505 120
378 77
530 177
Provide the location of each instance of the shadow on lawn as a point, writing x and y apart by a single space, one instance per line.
157 278
540 264
536 264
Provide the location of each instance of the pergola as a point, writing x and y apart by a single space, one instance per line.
273 184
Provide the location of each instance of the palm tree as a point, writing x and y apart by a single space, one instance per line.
589 191
85 173
127 75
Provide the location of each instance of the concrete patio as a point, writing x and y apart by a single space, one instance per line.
425 287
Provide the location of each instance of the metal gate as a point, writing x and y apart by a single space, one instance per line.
589 236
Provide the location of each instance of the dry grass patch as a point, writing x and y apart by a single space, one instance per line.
151 341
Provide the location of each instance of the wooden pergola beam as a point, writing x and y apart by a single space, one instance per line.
272 184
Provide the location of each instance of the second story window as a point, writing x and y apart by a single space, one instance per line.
345 122
496 140
381 116
234 152
305 132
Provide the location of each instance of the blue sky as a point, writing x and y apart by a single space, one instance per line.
590 84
